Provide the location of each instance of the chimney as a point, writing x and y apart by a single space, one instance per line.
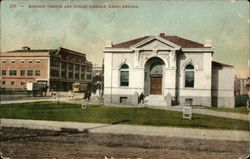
162 34
26 48
109 43
208 43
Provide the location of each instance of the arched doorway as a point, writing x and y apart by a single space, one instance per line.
154 76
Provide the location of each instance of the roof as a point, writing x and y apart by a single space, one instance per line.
71 51
129 43
41 50
218 64
184 43
45 50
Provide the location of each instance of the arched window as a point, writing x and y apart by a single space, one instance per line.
189 76
124 75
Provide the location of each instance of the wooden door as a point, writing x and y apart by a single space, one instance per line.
155 85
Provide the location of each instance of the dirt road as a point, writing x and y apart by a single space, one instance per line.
21 143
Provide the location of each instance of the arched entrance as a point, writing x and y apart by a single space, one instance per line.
154 76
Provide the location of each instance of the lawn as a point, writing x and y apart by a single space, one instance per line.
241 109
114 115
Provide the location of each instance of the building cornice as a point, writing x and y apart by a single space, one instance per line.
198 50
117 50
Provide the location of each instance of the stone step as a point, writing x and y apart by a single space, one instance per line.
156 100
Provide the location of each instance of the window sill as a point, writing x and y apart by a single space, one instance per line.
189 87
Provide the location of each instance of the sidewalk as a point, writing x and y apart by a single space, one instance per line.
130 129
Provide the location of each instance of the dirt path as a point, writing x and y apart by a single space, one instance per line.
117 128
20 143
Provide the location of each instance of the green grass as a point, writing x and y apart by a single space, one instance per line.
105 114
241 109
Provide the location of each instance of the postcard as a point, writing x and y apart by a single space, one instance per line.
124 79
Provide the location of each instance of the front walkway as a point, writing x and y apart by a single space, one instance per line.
129 129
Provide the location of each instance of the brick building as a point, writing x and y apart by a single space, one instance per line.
241 86
59 68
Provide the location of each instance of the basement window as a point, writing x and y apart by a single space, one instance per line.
123 100
188 101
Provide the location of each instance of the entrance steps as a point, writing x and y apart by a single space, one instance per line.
156 100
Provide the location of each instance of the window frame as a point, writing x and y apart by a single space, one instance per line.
5 72
12 72
37 73
28 73
22 72
3 83
121 71
186 70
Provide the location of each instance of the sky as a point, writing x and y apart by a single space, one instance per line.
86 30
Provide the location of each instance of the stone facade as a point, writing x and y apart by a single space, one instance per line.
163 68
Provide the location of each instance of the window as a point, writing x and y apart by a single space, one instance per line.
37 72
54 73
123 100
82 69
188 101
38 61
13 61
22 72
64 74
70 74
88 77
12 72
3 82
124 75
22 61
22 83
12 82
3 72
77 67
3 61
189 76
89 69
76 75
30 72
64 65
70 66
82 76
30 61
55 63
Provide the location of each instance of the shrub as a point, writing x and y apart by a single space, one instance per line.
241 100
